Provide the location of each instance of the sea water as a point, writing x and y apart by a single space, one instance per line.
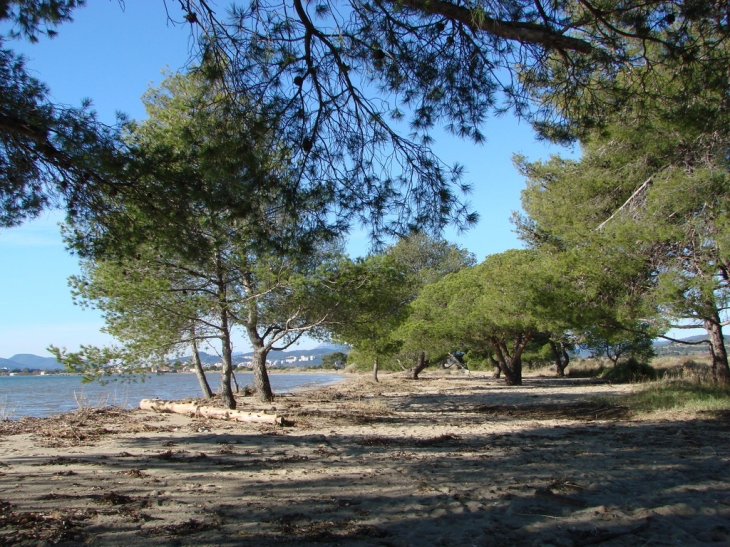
41 396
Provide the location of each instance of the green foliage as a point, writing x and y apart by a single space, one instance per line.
426 260
677 396
49 153
201 161
619 344
429 259
373 295
33 17
334 360
100 364
328 88
341 76
647 209
631 370
194 267
493 309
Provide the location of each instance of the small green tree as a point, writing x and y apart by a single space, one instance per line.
426 260
493 309
153 307
373 297
334 360
244 266
619 344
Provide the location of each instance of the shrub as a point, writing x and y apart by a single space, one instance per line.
691 371
630 371
678 395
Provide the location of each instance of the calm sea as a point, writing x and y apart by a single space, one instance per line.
47 395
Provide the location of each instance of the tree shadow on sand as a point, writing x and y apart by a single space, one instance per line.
577 481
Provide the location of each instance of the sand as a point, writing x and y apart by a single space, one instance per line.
448 460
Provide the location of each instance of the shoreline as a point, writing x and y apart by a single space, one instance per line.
291 370
40 396
447 460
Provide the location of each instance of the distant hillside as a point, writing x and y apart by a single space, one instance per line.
296 357
665 348
7 363
28 360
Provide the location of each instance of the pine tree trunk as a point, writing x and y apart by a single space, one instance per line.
718 353
261 376
566 358
560 357
375 370
229 401
512 369
511 363
202 380
497 369
420 365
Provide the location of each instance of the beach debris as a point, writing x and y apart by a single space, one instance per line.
546 493
195 409
606 535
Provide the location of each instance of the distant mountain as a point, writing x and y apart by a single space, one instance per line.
666 348
697 338
314 355
7 363
204 358
28 360
289 358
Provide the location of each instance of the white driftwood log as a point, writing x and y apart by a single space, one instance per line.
194 409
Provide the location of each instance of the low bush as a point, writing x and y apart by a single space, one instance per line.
585 368
678 395
629 371
690 371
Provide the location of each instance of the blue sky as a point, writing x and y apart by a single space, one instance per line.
111 55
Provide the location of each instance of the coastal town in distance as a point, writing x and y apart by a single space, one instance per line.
305 359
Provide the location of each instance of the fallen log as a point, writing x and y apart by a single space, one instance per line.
195 409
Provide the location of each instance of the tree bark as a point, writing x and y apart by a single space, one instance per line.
523 32
511 363
202 380
375 370
718 352
193 409
229 401
512 371
566 356
420 365
560 357
260 375
497 373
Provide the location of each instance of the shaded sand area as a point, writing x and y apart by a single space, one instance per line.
447 460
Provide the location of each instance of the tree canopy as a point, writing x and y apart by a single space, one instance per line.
359 86
352 90
648 201
495 308
50 154
372 301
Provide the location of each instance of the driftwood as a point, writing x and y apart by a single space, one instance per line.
195 409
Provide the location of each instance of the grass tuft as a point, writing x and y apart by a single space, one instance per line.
677 396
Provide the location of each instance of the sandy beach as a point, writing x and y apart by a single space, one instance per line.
447 460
